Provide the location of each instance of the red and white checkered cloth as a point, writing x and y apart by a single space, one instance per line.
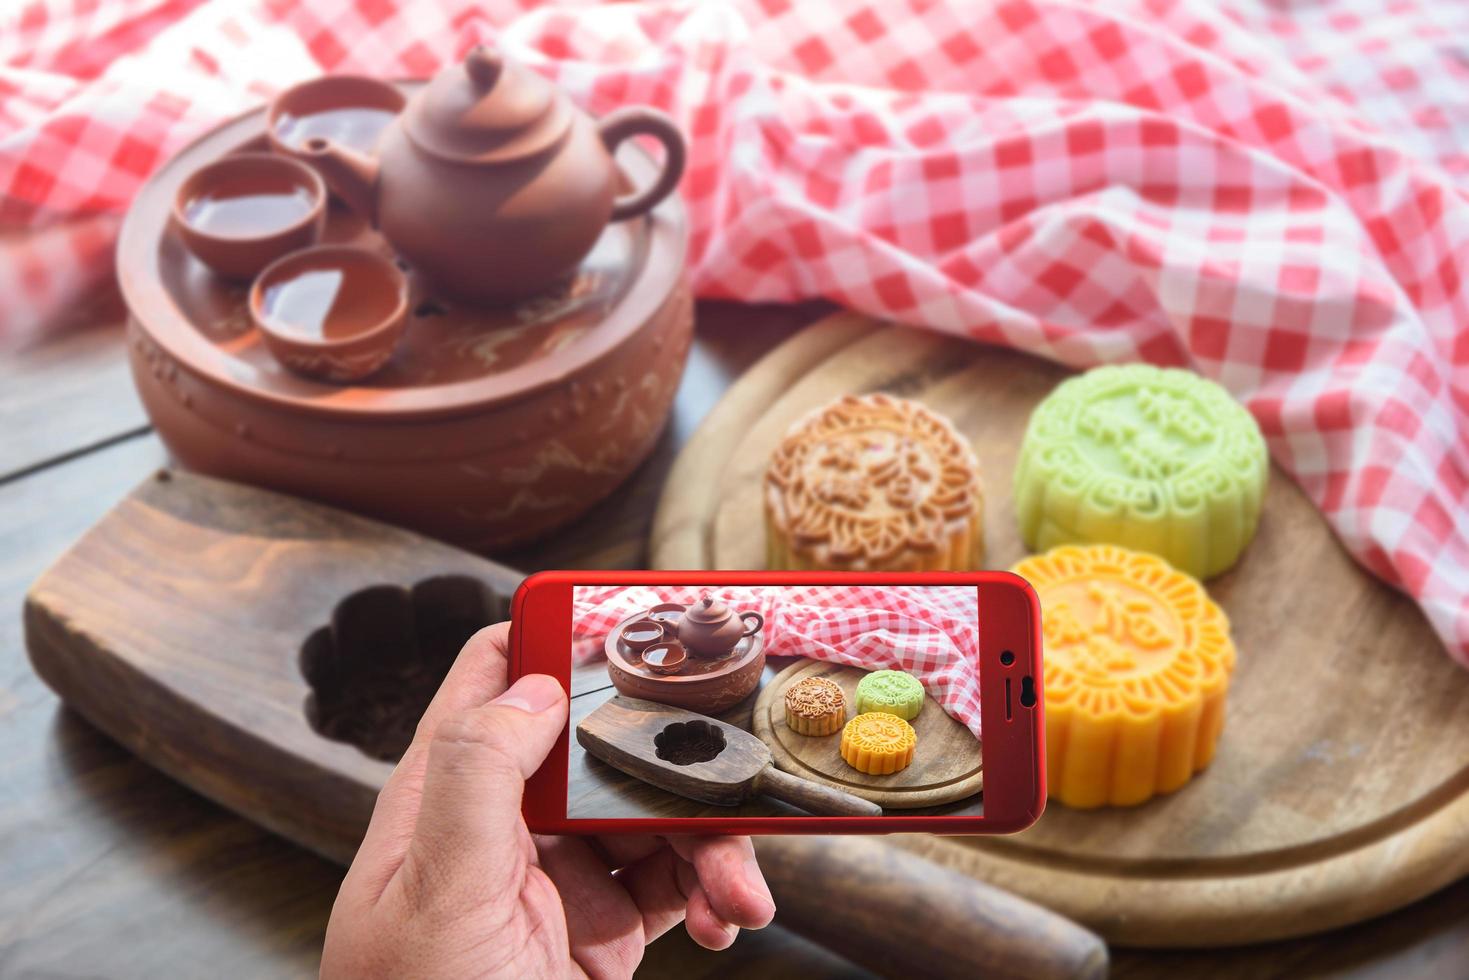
931 631
1271 194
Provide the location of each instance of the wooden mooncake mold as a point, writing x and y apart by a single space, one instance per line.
1137 665
815 706
874 483
878 743
892 691
1159 460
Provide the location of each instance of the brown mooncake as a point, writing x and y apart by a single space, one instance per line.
874 483
815 706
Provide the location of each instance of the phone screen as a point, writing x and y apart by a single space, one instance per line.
770 705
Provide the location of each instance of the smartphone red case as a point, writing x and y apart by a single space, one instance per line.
1014 748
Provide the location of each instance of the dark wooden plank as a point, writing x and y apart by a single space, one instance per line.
107 866
69 389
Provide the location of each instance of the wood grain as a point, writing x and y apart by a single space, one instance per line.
701 758
1341 789
947 764
69 390
177 626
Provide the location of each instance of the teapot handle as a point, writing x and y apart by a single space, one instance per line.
759 623
642 121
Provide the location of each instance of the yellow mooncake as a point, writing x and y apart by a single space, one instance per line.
1137 664
878 743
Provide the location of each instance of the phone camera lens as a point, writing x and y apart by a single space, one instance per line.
1027 691
1007 658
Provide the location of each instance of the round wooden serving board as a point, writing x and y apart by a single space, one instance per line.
1341 787
947 763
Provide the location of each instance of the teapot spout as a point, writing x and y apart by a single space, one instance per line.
350 175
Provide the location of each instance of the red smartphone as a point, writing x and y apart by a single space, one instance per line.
786 702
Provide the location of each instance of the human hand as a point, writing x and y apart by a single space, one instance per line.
449 882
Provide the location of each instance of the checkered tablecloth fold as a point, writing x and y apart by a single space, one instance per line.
930 631
1273 195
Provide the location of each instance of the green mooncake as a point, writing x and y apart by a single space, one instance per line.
891 692
1155 459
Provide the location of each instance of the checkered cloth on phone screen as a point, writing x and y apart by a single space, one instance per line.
931 631
1270 193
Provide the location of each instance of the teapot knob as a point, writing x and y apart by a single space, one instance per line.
484 66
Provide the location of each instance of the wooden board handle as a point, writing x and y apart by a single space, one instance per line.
813 797
896 912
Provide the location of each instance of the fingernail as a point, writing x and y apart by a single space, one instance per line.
533 693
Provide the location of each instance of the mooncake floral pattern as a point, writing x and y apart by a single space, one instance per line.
874 482
1157 459
1125 634
878 743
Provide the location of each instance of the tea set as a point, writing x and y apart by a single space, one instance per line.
488 183
703 657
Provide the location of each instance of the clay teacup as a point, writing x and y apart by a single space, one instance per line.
244 211
334 312
640 634
664 658
667 612
349 110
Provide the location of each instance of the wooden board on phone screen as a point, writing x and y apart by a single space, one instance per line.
1341 787
947 763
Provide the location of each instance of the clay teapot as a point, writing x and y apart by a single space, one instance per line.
711 629
491 183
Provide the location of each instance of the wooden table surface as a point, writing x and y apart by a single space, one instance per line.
108 868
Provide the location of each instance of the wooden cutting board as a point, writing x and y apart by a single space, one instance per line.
947 764
1341 788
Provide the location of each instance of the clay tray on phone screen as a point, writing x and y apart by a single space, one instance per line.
708 686
488 426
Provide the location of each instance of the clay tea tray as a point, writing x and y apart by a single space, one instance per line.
488 426
623 656
1341 787
947 764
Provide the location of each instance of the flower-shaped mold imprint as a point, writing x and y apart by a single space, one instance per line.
374 668
878 743
1160 460
877 483
1137 666
685 743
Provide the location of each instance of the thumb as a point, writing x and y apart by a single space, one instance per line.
469 832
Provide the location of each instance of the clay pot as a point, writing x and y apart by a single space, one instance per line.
473 433
710 628
241 213
703 685
345 335
492 183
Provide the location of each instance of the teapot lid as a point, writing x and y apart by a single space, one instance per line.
708 610
487 110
